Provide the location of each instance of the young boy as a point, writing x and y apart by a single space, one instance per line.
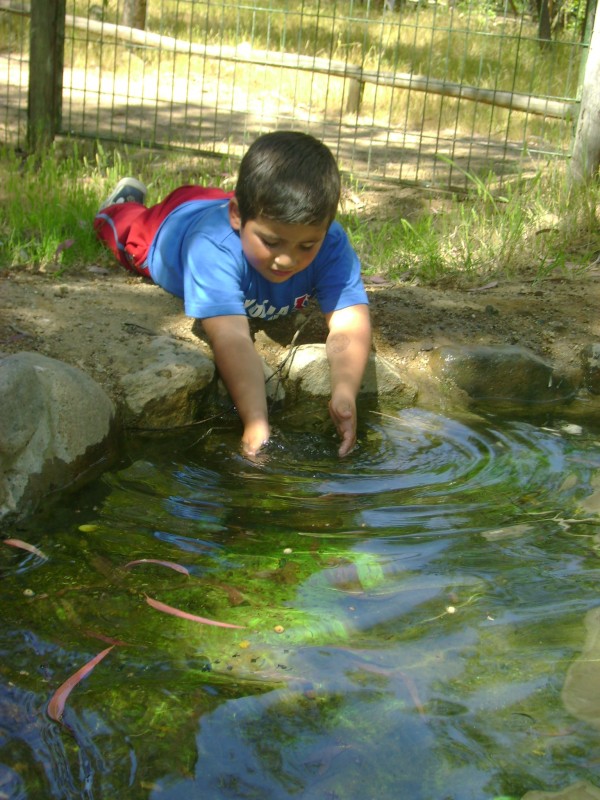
261 251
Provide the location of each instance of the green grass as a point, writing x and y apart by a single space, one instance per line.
47 209
532 229
49 201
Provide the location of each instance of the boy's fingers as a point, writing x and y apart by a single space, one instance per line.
252 448
256 434
345 422
346 446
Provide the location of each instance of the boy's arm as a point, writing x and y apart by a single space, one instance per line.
348 347
241 369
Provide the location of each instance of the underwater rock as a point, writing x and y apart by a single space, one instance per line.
577 791
581 690
55 428
501 375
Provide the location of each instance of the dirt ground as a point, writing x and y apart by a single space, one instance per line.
85 316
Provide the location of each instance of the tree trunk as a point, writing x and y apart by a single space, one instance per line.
134 14
585 159
46 62
544 25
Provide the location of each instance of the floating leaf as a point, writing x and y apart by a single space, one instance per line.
170 564
177 612
26 546
56 706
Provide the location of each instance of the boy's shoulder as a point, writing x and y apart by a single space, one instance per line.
209 216
198 216
336 244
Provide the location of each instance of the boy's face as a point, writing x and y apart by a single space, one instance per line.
277 250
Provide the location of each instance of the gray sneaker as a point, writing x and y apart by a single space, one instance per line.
127 190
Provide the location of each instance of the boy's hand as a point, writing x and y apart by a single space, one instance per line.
256 434
343 413
348 346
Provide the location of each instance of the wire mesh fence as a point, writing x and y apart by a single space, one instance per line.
414 92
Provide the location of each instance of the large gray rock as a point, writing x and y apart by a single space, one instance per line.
164 382
307 370
501 375
55 427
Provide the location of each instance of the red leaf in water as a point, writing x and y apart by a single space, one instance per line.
26 546
170 564
177 612
56 706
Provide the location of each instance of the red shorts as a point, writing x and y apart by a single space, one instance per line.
129 228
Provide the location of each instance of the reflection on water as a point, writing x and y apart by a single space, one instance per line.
409 616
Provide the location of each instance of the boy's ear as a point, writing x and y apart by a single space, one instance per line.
235 219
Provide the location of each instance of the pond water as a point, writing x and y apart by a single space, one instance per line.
408 617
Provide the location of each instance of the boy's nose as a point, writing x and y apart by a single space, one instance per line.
285 261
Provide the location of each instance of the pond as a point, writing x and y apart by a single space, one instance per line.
407 617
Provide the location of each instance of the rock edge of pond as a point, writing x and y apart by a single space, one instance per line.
60 428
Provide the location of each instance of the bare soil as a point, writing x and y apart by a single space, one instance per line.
83 317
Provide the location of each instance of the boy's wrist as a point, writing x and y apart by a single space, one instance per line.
344 392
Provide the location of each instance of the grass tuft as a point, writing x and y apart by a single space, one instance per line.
535 229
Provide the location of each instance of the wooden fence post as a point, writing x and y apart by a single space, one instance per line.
134 14
585 159
355 90
46 63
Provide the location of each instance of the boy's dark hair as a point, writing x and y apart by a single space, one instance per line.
290 177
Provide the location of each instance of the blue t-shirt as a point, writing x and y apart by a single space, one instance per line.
197 255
